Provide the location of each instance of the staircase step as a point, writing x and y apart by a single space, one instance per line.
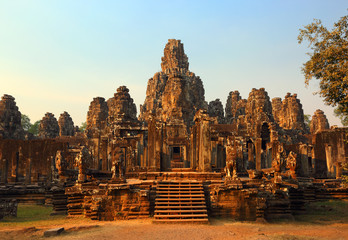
178 202
181 216
183 192
181 207
181 211
170 196
180 199
181 221
179 188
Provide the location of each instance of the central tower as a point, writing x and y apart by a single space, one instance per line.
175 94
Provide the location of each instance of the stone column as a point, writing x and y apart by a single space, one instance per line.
28 172
258 153
304 160
4 170
251 152
205 148
329 162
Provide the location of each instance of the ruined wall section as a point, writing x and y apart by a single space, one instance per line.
28 161
48 127
96 116
330 152
319 122
215 109
66 125
175 93
10 119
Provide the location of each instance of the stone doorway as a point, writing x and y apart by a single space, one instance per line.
177 160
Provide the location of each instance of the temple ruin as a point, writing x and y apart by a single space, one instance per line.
181 159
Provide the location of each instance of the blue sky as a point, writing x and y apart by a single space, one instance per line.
56 56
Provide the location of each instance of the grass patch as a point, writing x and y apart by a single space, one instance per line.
332 211
29 215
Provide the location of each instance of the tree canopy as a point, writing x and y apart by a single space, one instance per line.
34 129
83 127
328 62
25 122
27 126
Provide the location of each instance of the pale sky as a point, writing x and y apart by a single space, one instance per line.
58 55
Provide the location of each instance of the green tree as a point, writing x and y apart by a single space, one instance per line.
307 120
25 122
344 118
34 129
328 62
83 127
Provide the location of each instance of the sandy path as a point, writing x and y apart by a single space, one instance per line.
219 229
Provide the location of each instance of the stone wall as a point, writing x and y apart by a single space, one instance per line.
110 202
228 202
8 207
330 151
28 161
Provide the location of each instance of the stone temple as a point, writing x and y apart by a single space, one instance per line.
181 159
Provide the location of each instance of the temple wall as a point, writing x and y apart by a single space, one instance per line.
330 150
28 161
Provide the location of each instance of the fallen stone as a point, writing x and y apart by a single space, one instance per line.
53 232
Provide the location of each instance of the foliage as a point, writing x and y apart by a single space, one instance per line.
328 62
34 129
344 118
307 120
345 176
25 122
83 126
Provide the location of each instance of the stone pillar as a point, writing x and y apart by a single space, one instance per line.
4 173
214 147
156 164
329 162
258 153
205 148
251 155
304 171
28 172
338 170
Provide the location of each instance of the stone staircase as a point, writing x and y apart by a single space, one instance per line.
180 202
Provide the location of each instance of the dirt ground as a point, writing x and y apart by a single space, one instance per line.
323 220
144 229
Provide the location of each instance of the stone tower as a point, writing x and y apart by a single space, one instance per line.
96 116
10 118
175 93
66 125
319 122
48 127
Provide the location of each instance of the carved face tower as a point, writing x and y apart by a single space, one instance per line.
175 94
